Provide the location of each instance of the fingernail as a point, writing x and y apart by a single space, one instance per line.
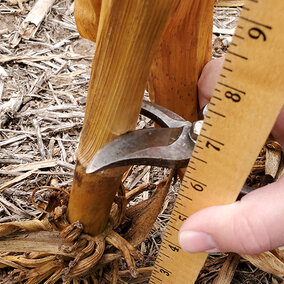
192 241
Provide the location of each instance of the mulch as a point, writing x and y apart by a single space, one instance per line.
44 75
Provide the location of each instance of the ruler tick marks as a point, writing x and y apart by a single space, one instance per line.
164 254
175 211
192 168
240 27
156 277
195 152
222 75
255 1
216 112
238 36
168 233
180 204
198 159
164 269
197 181
217 98
207 123
227 69
172 243
188 198
238 55
209 138
197 146
228 60
234 44
246 8
230 87
173 227
217 90
257 23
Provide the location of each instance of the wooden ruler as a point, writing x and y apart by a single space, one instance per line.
245 105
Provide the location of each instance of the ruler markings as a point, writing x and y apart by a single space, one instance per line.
175 211
198 159
164 268
173 227
217 98
184 196
246 8
227 60
222 75
198 146
217 113
232 88
196 181
238 55
156 277
168 233
238 36
227 69
180 204
173 244
207 123
209 138
163 254
192 168
255 22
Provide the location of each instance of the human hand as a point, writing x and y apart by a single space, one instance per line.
249 226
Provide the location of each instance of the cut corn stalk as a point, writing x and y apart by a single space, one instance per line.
125 48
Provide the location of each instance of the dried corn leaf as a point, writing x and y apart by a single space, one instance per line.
43 242
267 262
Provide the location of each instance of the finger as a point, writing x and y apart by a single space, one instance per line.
208 80
250 226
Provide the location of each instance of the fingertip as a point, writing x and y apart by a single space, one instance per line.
251 226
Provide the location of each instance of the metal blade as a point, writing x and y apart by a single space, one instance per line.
163 147
161 115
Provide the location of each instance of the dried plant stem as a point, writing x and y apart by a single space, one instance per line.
184 49
126 45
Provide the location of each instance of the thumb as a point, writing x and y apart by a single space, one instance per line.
250 226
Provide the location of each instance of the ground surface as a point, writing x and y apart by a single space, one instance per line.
43 85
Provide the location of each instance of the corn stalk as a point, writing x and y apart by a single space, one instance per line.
127 37
184 49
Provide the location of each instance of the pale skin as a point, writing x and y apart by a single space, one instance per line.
250 226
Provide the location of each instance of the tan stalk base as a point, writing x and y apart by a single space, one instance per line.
52 250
